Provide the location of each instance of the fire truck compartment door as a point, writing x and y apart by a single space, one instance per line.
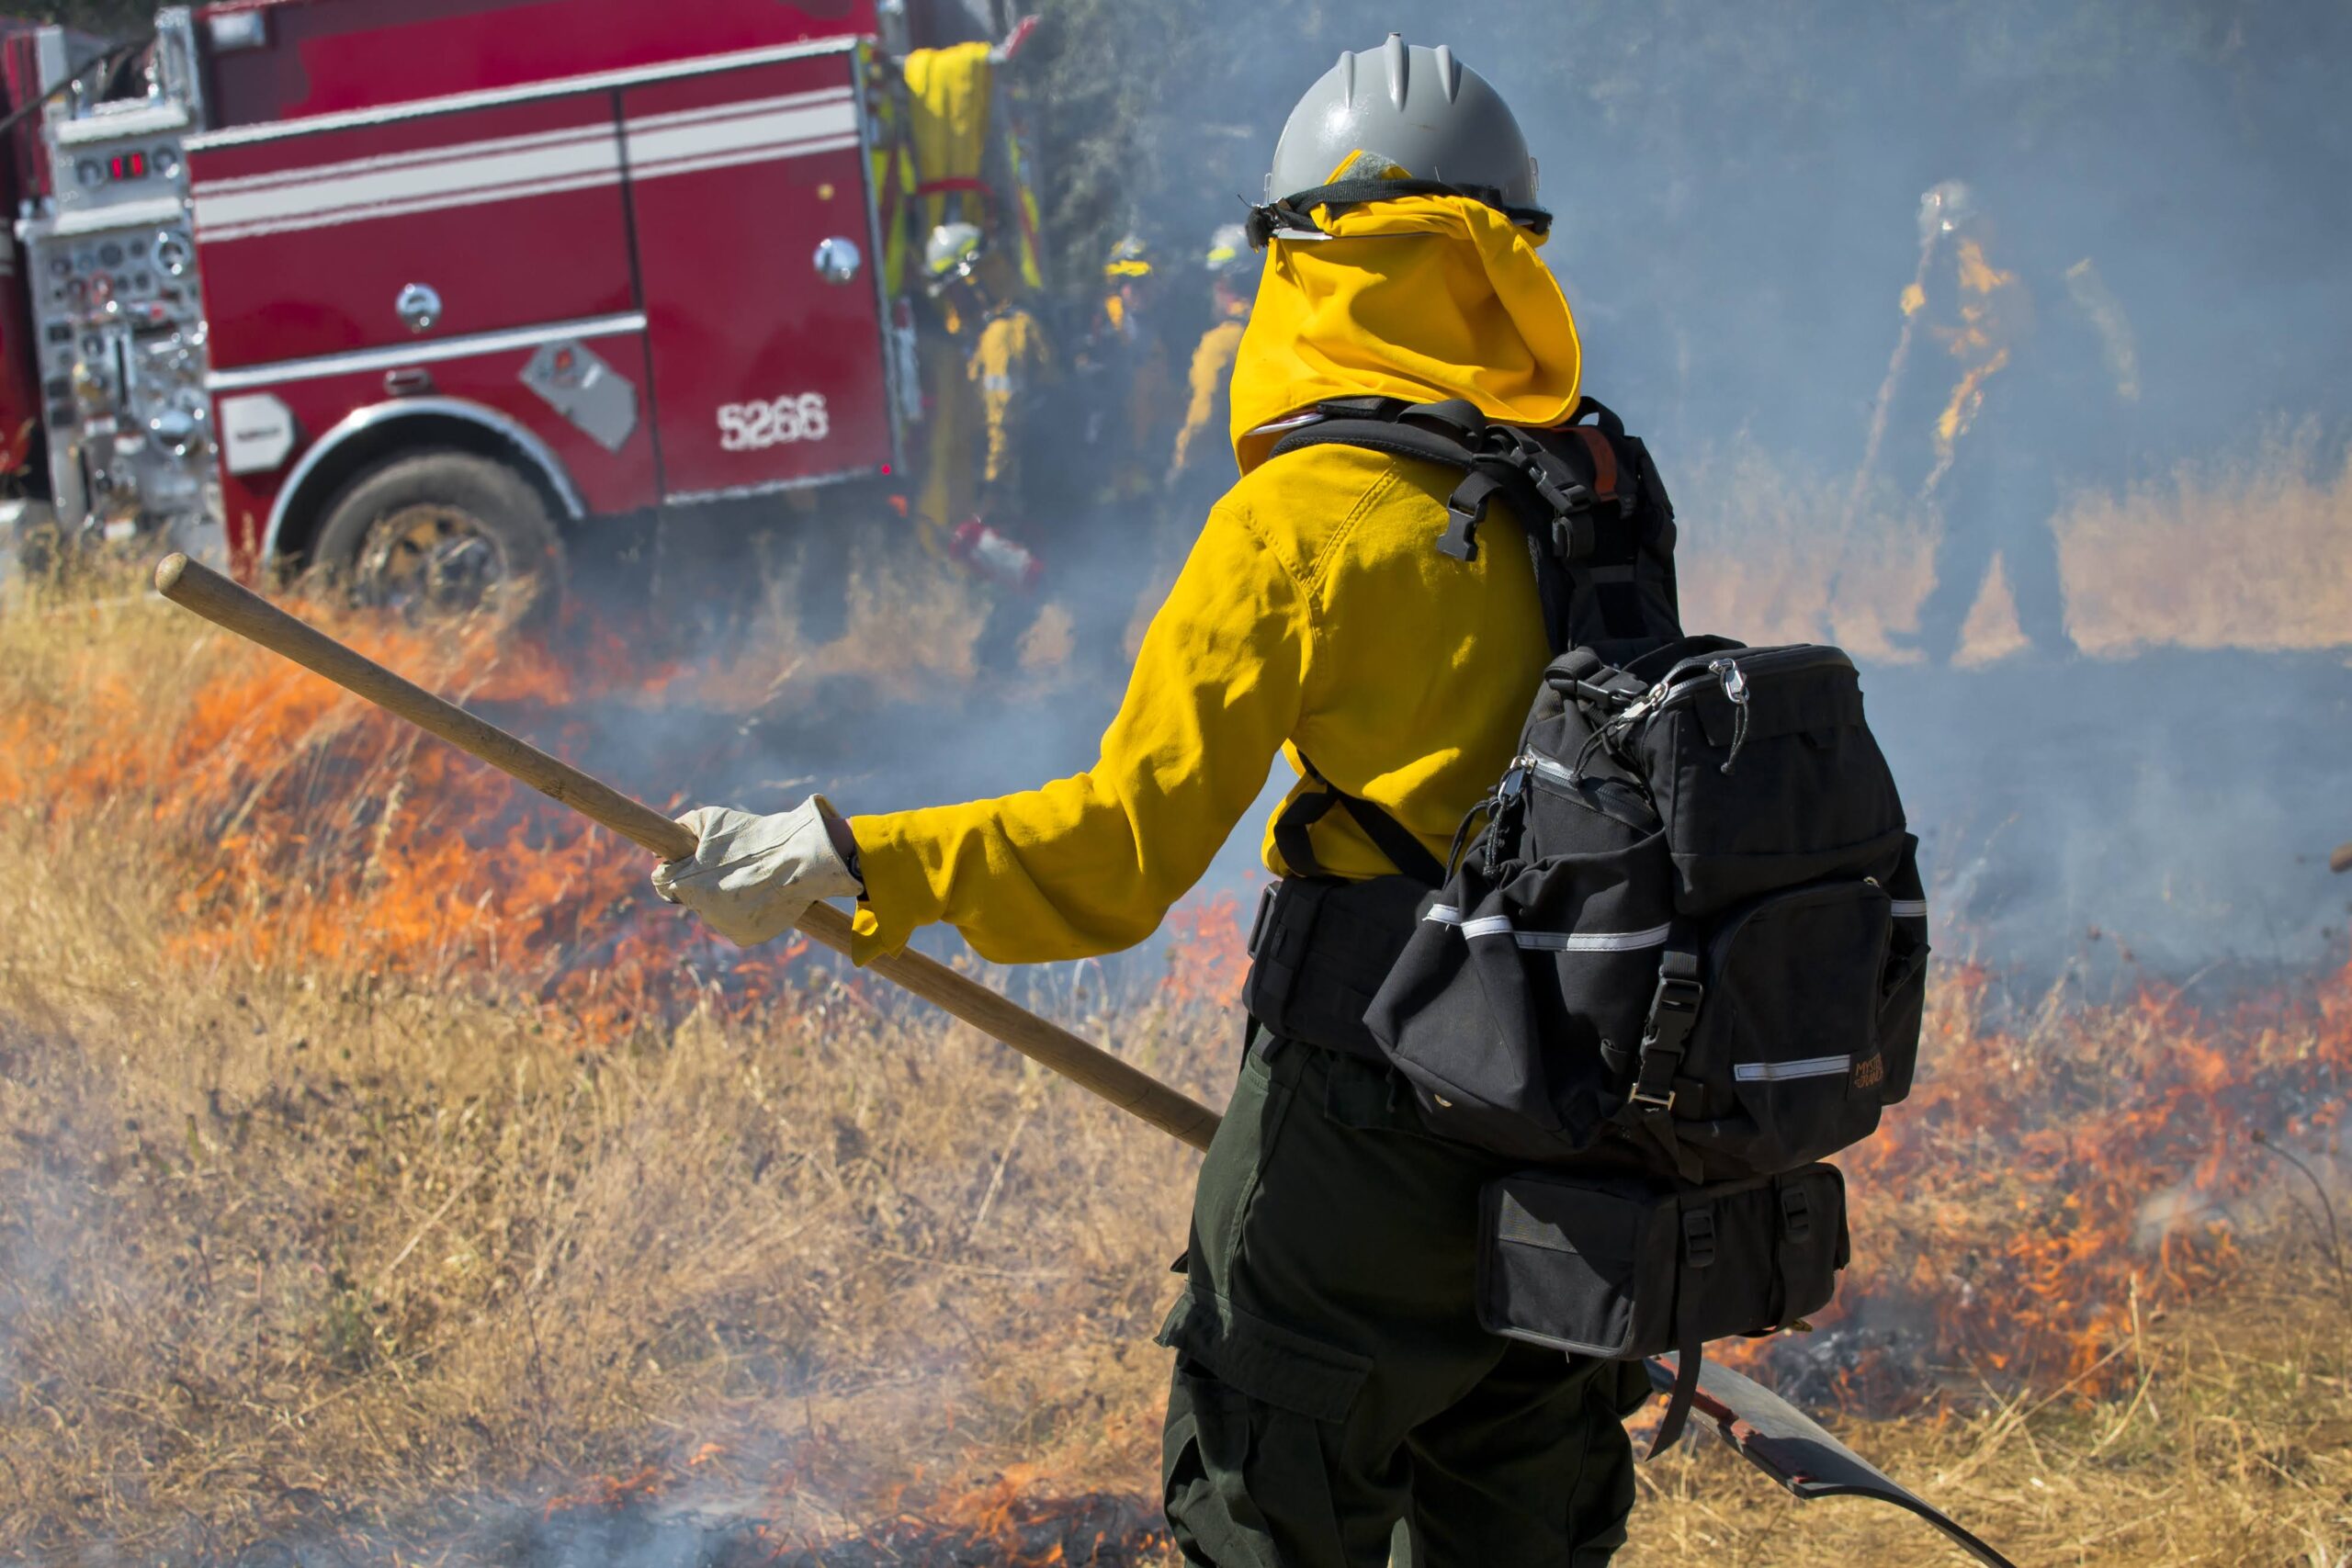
512 216
754 241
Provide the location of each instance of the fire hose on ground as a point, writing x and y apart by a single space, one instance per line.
1774 1435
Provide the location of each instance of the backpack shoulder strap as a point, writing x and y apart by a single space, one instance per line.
1493 459
1380 425
1584 493
1390 837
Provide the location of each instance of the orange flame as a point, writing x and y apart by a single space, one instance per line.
1207 957
2049 1178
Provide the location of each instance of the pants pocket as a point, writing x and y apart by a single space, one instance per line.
1263 1360
1251 1457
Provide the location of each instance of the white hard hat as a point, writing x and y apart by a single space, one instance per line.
951 253
1418 109
1944 208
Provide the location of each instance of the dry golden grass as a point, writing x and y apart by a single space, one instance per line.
2249 551
2231 1444
1762 557
359 1183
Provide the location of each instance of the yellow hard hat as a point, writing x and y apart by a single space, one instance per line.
1129 258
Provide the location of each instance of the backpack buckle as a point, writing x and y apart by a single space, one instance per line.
1464 509
1674 1012
1261 927
1573 535
1797 1214
1698 1238
1461 538
1572 501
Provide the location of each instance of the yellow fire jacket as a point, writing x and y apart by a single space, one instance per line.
1008 364
1212 374
1989 316
1315 615
949 488
1140 399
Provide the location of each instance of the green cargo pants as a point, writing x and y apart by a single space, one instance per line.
1331 1378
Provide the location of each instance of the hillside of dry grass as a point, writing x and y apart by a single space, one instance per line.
2246 551
382 1179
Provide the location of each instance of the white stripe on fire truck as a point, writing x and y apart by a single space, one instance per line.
401 356
323 198
506 97
596 130
515 168
738 108
748 133
307 173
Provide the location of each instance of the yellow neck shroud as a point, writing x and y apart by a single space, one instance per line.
1420 298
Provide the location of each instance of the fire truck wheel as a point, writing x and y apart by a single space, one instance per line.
443 532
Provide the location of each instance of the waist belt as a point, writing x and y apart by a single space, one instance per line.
1320 949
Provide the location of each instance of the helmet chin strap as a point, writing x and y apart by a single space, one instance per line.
1290 217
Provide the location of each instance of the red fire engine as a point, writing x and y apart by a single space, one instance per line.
427 293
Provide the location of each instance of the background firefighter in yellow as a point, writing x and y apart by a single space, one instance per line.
1008 371
1997 375
948 493
1321 1393
932 184
1233 287
1133 405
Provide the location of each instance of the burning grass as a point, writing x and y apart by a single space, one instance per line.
383 1176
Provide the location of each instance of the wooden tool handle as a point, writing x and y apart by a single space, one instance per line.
237 609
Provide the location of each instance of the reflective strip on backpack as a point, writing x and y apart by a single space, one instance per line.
1595 941
1909 908
1774 1072
1551 942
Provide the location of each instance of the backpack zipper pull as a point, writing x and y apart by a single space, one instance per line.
1734 682
1508 796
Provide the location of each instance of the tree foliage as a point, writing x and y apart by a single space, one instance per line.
105 19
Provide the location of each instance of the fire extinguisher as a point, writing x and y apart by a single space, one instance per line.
995 556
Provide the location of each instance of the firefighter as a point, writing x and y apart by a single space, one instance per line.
1007 375
1127 356
1094 508
948 493
1233 285
2008 391
1331 1378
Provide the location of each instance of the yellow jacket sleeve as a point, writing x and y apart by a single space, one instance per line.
1090 864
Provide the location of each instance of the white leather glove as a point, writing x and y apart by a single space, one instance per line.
754 878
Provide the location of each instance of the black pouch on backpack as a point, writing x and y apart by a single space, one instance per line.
1625 1267
1692 918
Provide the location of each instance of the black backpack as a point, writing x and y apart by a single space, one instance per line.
1679 954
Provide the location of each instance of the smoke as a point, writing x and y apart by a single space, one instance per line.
1737 189
1736 194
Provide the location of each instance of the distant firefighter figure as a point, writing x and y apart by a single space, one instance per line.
2001 391
1203 441
996 390
1127 357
